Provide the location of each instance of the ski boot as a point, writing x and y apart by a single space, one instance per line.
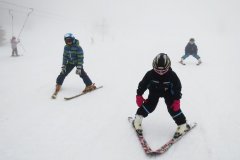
137 124
89 88
58 87
199 62
181 129
182 62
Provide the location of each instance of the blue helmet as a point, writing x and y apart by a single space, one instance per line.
69 38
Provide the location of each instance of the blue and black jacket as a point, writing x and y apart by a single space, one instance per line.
73 54
191 48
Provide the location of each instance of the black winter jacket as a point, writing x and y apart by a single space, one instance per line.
162 85
191 48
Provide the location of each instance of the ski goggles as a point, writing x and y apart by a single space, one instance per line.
161 71
68 41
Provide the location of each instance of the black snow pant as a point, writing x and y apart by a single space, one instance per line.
151 103
14 52
69 68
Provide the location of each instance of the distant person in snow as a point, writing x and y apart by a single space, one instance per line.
14 43
162 82
191 49
72 57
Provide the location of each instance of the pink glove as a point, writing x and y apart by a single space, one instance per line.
176 105
140 100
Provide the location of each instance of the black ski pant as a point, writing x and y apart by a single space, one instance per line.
69 68
151 103
14 52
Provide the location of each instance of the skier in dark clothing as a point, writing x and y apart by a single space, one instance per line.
191 49
162 82
72 57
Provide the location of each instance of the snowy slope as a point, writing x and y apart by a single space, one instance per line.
120 40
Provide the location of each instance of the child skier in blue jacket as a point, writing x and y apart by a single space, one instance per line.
72 57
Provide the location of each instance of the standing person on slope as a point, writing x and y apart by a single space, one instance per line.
162 82
14 43
191 49
72 57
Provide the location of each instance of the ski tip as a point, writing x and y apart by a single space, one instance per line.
53 97
129 118
193 124
182 63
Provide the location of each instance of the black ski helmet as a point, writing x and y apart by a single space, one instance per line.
161 63
192 40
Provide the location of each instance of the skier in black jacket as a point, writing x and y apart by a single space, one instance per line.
191 49
162 82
